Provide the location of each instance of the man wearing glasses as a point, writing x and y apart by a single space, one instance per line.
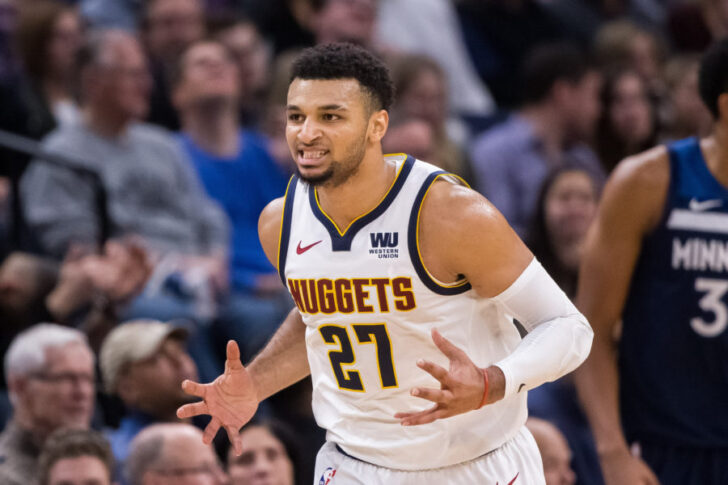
50 375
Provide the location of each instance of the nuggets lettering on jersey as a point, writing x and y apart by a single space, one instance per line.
369 305
356 295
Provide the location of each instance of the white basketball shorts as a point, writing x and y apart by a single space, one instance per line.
517 462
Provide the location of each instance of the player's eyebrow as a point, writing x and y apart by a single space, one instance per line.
326 107
332 107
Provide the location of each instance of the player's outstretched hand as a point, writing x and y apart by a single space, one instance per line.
461 387
231 400
621 467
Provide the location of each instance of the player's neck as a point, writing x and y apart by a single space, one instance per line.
360 193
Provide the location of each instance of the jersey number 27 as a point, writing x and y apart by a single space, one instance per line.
368 333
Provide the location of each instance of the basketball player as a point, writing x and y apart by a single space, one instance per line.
657 258
405 284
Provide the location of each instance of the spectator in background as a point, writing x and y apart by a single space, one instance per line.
273 124
165 454
237 171
50 375
144 362
168 28
431 28
84 291
624 43
412 136
684 113
344 21
555 452
253 58
152 192
566 207
76 457
561 106
421 88
628 123
270 455
49 36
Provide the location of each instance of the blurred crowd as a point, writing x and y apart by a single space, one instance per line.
130 221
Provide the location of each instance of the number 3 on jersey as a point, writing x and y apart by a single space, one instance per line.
365 334
712 301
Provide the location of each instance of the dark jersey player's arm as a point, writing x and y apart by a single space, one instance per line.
461 233
283 361
630 207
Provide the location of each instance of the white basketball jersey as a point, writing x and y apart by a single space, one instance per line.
369 305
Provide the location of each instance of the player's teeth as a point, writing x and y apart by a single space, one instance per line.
318 154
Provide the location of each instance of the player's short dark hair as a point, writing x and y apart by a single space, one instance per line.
74 443
713 75
546 65
347 61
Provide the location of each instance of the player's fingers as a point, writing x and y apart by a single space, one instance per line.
233 356
423 418
434 395
409 414
235 439
191 410
194 388
446 347
433 369
211 431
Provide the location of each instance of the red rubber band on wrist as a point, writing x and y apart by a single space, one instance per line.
485 388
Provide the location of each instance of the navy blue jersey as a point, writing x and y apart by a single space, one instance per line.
673 358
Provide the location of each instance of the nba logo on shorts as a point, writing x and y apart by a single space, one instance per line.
327 476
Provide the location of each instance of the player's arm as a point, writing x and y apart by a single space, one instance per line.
461 233
630 208
283 361
232 399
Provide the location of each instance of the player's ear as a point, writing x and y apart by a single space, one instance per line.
378 123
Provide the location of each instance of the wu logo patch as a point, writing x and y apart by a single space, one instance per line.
384 239
384 244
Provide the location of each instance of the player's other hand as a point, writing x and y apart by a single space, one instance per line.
620 467
231 400
461 387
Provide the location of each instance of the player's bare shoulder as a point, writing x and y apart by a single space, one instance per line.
639 186
462 234
269 228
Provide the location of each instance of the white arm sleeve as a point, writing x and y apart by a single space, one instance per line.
559 336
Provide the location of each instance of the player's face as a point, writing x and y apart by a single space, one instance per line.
327 128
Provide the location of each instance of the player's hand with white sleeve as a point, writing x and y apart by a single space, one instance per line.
231 399
463 387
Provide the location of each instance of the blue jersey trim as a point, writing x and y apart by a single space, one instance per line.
285 233
341 241
412 242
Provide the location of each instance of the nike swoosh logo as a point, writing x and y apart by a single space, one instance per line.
301 250
704 205
512 481
521 387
